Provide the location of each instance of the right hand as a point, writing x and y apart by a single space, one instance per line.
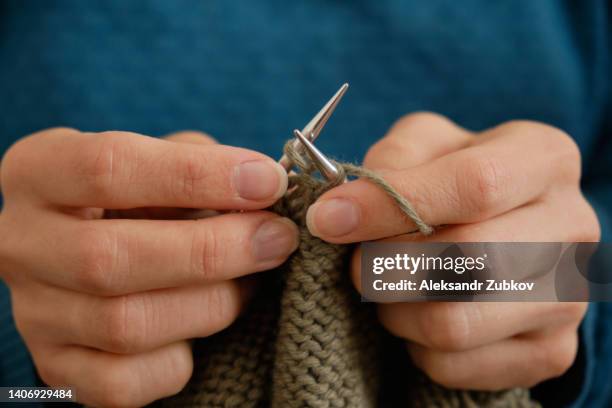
107 305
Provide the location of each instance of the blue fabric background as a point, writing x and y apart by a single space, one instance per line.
250 72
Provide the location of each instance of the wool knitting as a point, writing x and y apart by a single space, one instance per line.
307 340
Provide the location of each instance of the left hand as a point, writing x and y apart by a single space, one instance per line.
515 182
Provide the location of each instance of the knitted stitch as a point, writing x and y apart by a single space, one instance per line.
306 339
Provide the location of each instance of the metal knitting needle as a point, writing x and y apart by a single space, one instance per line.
313 129
325 166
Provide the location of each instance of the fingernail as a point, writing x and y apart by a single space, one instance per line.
332 218
260 180
275 239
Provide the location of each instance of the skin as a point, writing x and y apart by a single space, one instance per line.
516 182
111 273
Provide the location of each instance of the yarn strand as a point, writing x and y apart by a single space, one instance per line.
347 169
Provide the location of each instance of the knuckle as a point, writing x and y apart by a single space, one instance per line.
104 160
574 311
13 164
532 127
56 131
207 253
122 324
222 306
192 136
441 370
589 229
481 183
121 385
47 372
24 314
193 172
16 162
376 153
115 387
96 254
10 167
594 233
445 326
566 153
560 147
182 369
559 355
566 143
419 119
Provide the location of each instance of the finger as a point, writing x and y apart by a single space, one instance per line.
119 170
132 323
516 362
187 136
459 326
162 213
470 185
167 213
114 257
416 139
536 222
191 136
107 379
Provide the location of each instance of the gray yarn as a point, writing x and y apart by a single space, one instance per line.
307 168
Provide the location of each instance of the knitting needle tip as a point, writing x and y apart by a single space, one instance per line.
325 166
313 129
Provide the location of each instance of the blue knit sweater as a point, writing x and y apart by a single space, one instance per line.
250 72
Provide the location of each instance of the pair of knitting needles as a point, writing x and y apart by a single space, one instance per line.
304 139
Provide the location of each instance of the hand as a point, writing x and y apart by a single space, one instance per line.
515 182
107 305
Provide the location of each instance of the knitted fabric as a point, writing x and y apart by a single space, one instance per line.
306 339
